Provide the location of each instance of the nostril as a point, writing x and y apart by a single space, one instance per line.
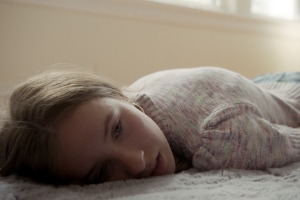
133 162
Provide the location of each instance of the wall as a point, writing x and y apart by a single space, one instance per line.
126 39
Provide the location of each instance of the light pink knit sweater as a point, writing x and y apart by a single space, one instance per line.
218 119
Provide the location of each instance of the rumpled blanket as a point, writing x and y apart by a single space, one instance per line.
273 184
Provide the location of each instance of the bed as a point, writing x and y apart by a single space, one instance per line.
274 184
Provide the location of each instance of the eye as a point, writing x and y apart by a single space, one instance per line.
118 129
101 174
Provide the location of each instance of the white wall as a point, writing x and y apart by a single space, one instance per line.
125 39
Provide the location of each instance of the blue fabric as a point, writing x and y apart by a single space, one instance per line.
278 77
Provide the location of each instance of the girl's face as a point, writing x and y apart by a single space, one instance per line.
107 139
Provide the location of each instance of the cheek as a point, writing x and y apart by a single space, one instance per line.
142 130
149 132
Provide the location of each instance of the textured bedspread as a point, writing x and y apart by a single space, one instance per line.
277 183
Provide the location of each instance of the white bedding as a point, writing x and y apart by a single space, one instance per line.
277 183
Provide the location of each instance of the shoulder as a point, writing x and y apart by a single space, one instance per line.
207 75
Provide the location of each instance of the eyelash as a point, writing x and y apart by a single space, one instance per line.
119 131
101 174
116 134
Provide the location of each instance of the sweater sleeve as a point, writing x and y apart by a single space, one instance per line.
237 136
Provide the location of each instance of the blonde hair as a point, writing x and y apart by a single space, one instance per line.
29 145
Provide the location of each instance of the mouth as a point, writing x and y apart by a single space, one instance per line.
160 165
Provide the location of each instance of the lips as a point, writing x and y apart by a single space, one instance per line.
160 165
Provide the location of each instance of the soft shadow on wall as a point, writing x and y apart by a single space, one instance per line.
126 39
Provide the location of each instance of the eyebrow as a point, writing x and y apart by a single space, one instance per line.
106 124
106 127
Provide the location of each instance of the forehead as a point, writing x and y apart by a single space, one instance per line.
81 118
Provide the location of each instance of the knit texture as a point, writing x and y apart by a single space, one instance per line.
219 119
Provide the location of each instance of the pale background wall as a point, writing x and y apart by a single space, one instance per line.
125 45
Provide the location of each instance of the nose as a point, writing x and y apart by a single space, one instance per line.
129 162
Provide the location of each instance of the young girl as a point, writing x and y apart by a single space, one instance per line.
73 127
